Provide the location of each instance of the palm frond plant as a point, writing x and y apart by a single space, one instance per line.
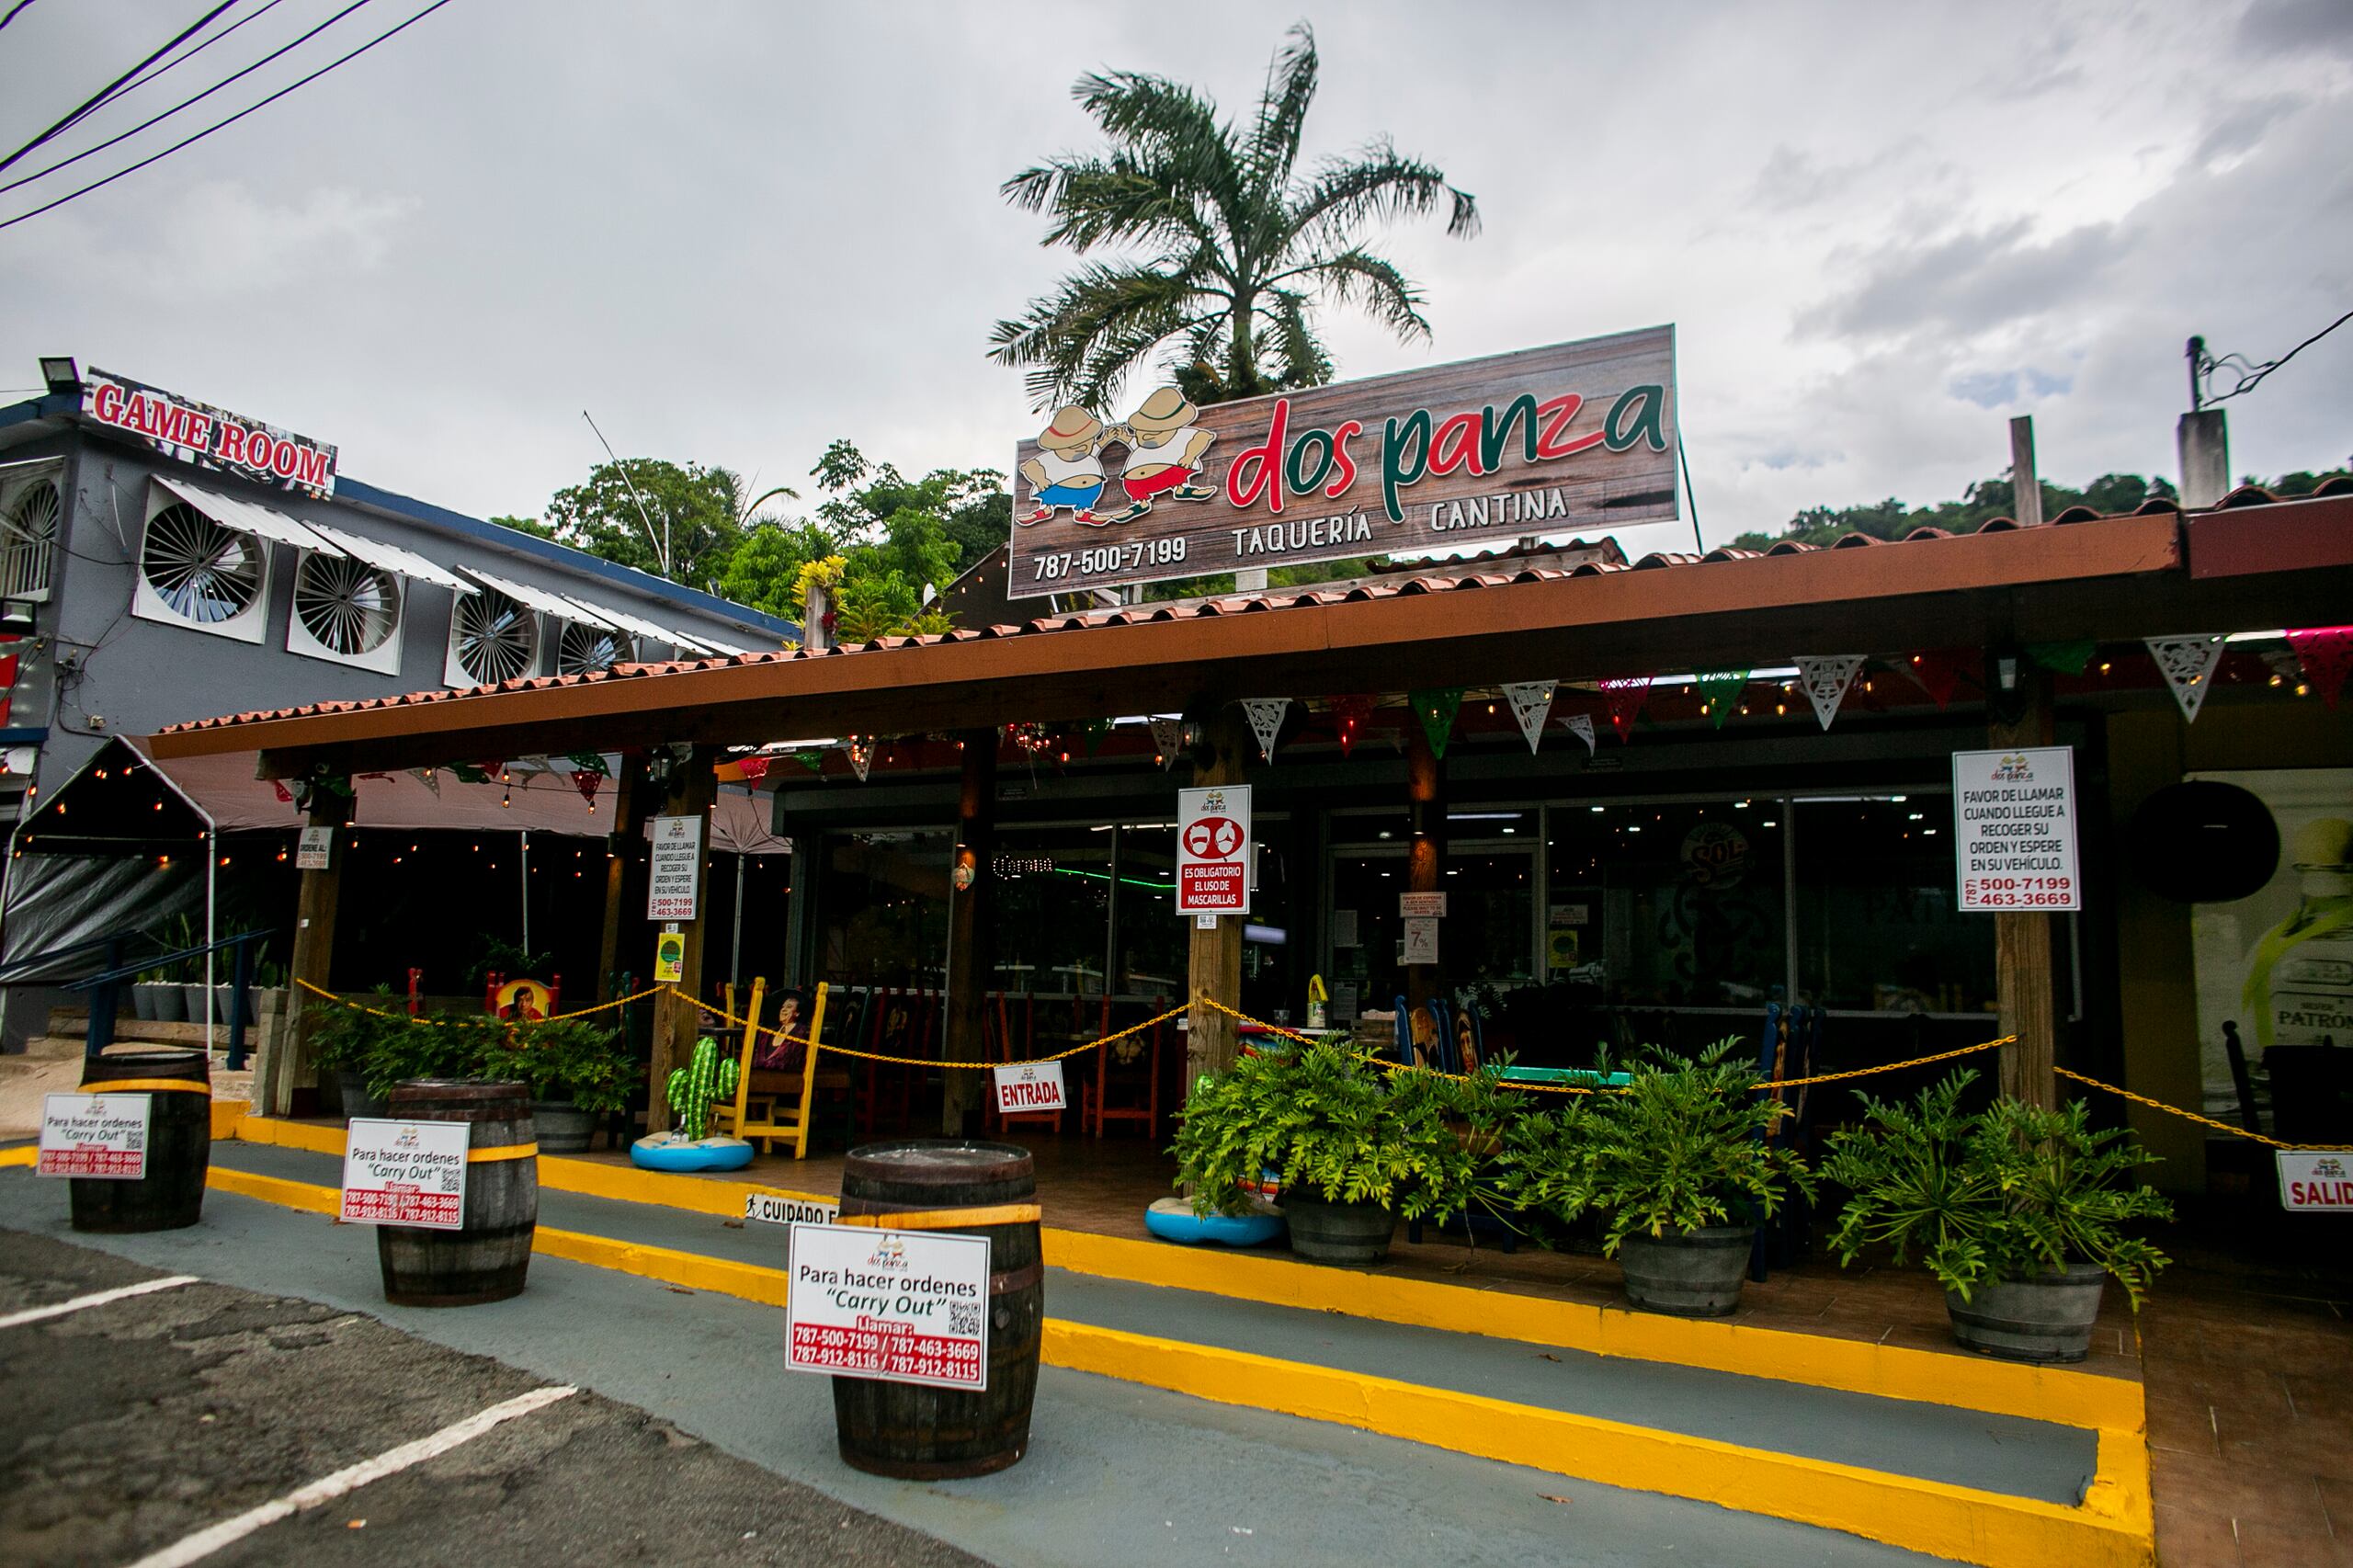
565 1060
2011 1198
1228 248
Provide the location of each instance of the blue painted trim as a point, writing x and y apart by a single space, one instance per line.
49 407
362 493
31 735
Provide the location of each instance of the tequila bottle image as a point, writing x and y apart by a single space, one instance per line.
2300 985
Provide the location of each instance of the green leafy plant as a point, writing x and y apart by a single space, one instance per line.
2005 1193
565 1059
707 1078
1682 1146
1332 1121
340 1038
512 960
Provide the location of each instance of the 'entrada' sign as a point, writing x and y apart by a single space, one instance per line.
1481 453
207 436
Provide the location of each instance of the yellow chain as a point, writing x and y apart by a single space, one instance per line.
1891 1067
486 1021
2201 1121
934 1061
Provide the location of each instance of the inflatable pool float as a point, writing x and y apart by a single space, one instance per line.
1173 1220
669 1151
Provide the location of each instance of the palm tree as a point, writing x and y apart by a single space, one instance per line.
1242 248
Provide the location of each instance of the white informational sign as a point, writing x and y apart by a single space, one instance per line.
1343 927
674 868
905 1306
1421 906
406 1172
2014 829
99 1135
1030 1085
1213 850
316 852
1420 945
788 1208
2316 1182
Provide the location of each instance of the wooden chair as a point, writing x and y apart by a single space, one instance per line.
762 1093
728 1116
1101 1110
1029 1049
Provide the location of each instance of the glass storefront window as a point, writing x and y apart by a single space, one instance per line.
1053 909
1668 905
1878 929
1155 954
882 909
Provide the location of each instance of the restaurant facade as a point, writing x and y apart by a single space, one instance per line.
1662 799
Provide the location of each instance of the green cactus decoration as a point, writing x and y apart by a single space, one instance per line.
702 1083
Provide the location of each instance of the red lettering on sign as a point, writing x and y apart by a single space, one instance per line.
1262 463
107 404
1455 445
259 450
314 469
1344 469
1557 414
233 442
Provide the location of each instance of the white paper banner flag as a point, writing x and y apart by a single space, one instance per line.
1530 701
1265 715
1167 738
1826 681
861 756
2189 664
1581 726
428 778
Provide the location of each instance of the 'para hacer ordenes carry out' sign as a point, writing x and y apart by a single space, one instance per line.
903 1306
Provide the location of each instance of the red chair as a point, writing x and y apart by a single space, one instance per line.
1029 1050
1146 1046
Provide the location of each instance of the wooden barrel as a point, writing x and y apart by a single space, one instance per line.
178 1085
485 1260
912 1431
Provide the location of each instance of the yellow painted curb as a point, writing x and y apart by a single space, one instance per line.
2112 1530
28 1155
226 1115
1966 1383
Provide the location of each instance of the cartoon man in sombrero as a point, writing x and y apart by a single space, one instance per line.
1067 470
1165 453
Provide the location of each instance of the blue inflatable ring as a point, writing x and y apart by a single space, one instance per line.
669 1151
1173 1220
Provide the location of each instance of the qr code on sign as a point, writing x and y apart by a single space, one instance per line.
964 1318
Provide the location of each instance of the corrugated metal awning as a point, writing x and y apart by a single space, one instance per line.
393 558
645 628
248 516
538 599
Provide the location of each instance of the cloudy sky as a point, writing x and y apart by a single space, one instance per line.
737 231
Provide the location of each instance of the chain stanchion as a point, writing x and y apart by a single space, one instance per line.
2201 1121
484 1022
934 1061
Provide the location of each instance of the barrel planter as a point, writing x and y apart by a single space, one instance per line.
1322 1232
1691 1274
352 1089
2046 1318
486 1258
563 1128
170 1196
912 1431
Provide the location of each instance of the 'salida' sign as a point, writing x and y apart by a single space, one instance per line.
1481 453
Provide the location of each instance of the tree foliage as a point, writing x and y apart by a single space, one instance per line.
1239 248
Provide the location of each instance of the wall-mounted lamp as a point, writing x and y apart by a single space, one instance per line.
63 377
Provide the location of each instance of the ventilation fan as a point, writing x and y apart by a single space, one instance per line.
32 532
493 638
348 607
587 648
202 572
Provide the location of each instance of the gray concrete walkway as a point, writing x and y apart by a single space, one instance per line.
1116 1473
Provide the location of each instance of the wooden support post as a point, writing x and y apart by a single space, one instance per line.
622 913
2026 482
972 933
693 788
1426 860
1214 963
2022 960
288 1074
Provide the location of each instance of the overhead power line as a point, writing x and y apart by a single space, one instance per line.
15 11
223 124
118 83
173 65
157 120
2251 375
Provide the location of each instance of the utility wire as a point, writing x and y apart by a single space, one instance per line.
157 120
220 125
2251 376
116 85
15 11
171 65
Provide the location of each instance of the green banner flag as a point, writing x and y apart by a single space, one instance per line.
1720 692
1436 709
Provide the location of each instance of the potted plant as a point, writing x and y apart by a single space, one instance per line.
154 999
1677 1166
2016 1211
576 1071
401 1047
1354 1150
340 1039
